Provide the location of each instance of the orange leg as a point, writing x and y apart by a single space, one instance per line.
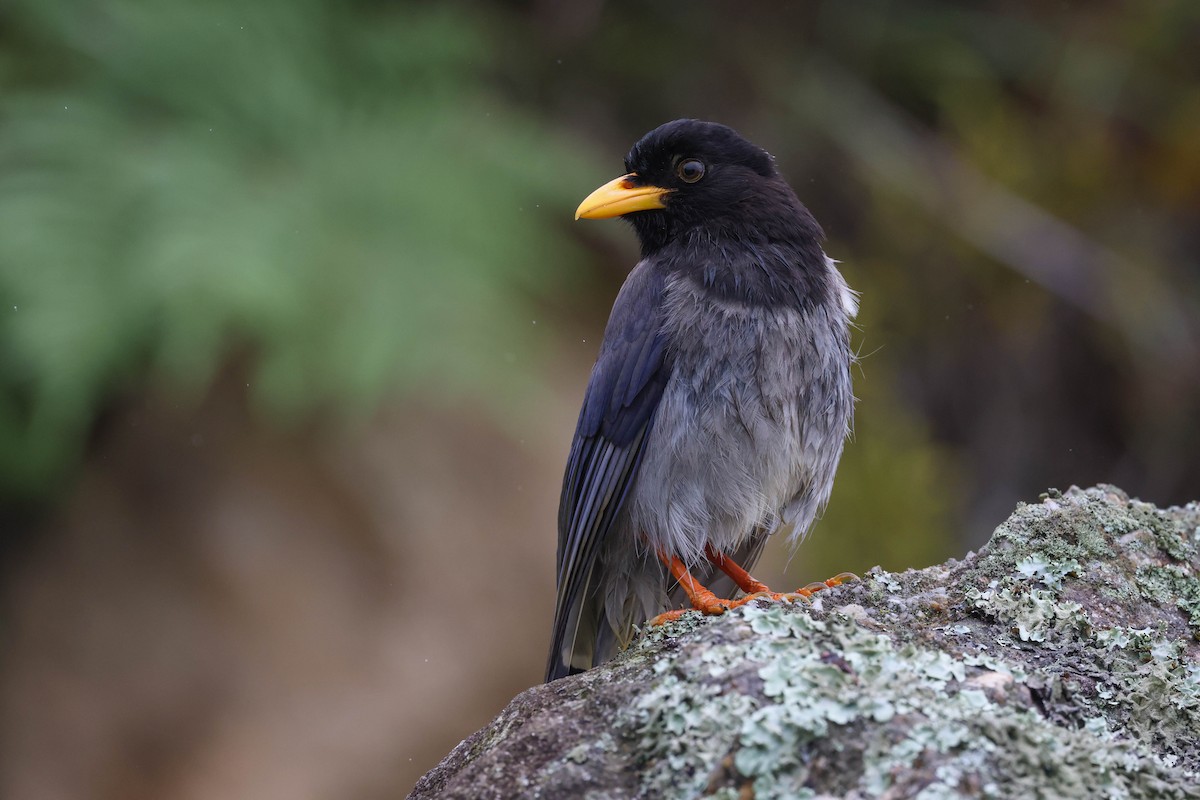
702 599
743 579
750 586
706 602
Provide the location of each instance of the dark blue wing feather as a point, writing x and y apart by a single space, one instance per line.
618 410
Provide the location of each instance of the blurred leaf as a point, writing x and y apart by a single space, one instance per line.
332 185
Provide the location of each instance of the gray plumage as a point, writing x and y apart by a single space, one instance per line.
720 401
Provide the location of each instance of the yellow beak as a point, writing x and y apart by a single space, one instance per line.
620 196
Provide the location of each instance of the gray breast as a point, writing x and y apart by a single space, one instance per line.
751 425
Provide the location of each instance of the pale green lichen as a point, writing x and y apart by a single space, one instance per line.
1061 661
1146 684
794 681
684 731
1152 689
1033 614
1040 567
1176 583
799 679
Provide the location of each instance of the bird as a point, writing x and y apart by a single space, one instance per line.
719 403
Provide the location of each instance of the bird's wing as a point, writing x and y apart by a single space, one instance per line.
618 411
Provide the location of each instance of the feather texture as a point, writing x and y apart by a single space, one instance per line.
618 410
720 401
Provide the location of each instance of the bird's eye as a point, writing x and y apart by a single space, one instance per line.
690 170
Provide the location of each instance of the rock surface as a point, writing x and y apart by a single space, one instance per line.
1061 660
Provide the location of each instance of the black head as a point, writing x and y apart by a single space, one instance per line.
658 156
690 175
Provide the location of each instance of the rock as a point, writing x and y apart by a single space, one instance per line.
1058 661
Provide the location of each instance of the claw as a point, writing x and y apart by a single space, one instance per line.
840 578
775 597
669 616
706 602
820 586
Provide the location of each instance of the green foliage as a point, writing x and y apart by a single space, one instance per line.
329 187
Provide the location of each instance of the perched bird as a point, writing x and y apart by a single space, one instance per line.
719 403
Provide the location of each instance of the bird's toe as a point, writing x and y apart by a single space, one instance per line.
668 616
840 578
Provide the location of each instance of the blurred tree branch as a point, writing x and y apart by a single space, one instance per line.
1159 322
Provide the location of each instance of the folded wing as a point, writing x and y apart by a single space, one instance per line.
618 411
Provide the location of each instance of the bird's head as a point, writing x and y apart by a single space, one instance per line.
689 174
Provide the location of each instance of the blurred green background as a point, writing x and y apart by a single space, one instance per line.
294 325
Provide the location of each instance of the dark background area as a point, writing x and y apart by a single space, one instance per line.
295 322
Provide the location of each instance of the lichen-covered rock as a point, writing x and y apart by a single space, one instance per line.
1059 661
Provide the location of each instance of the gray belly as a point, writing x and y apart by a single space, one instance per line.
745 442
750 428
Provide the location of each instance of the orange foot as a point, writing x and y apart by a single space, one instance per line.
820 586
706 602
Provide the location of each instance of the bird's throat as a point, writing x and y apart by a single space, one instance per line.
770 274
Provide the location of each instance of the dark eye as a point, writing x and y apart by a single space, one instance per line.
690 170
